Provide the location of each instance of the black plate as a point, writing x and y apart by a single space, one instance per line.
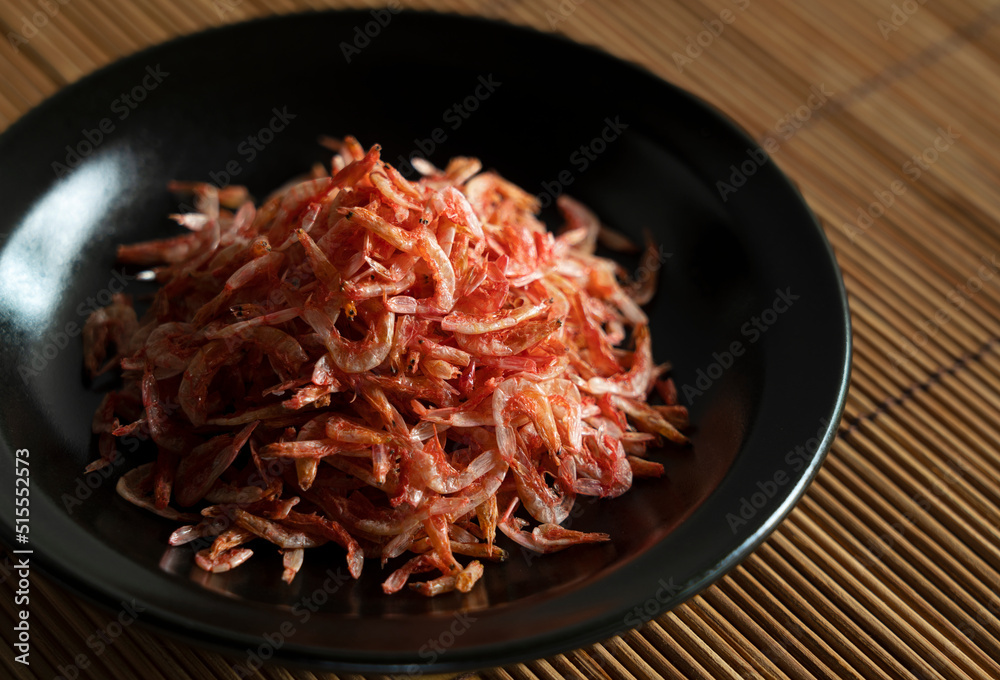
548 114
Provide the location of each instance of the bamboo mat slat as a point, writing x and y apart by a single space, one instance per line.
890 566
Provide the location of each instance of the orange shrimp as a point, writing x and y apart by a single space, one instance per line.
192 394
130 485
199 469
115 324
458 322
356 356
420 363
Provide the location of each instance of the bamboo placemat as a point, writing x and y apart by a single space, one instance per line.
890 566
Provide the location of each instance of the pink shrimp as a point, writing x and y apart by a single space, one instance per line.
463 581
114 324
444 276
645 468
487 515
461 168
293 203
359 168
129 487
249 320
343 430
651 419
581 220
310 449
455 206
225 552
547 538
325 272
224 561
487 189
161 426
510 341
210 526
417 565
397 236
199 469
458 322
304 396
363 290
637 381
613 473
192 394
356 356
543 504
291 562
169 348
221 492
411 366
434 471
171 250
276 532
485 292
333 531
284 351
401 183
391 191
264 265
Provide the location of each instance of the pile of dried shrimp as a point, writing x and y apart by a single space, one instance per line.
394 366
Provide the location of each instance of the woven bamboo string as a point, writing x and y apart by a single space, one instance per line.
918 630
690 616
825 625
924 299
631 658
654 657
911 419
962 496
914 657
946 384
913 503
906 583
781 634
899 533
730 638
907 429
770 657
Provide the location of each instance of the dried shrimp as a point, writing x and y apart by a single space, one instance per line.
397 367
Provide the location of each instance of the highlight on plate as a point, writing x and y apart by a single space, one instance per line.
398 367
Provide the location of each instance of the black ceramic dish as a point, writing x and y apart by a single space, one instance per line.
551 116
